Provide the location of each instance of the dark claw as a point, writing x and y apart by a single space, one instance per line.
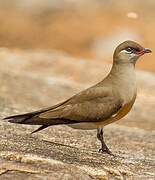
106 151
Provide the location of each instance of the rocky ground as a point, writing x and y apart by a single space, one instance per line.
35 79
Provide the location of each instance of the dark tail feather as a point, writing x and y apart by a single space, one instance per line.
39 129
19 118
22 118
34 119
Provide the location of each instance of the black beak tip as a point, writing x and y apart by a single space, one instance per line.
146 50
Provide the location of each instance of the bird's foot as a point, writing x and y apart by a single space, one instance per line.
105 151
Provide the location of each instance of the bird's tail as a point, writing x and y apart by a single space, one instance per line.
34 119
21 119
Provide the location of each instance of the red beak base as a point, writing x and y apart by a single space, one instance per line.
144 51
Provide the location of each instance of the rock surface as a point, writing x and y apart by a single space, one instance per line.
36 79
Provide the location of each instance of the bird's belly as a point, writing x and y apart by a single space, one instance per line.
84 126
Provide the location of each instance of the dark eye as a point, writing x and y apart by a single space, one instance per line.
129 49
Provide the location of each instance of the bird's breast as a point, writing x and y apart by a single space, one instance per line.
125 86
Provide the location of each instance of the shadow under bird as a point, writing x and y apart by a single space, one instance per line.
102 104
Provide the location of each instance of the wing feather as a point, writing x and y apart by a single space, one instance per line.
93 110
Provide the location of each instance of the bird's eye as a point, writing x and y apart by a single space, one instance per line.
129 49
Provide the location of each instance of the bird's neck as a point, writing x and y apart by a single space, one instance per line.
124 79
122 69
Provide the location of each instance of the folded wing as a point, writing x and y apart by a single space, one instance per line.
91 105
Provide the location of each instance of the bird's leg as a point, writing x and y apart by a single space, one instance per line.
100 137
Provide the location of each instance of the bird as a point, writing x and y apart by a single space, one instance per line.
99 105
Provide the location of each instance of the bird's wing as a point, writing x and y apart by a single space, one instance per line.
91 105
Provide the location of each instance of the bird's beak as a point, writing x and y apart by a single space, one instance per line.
144 51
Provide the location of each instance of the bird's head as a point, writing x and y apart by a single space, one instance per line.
129 52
